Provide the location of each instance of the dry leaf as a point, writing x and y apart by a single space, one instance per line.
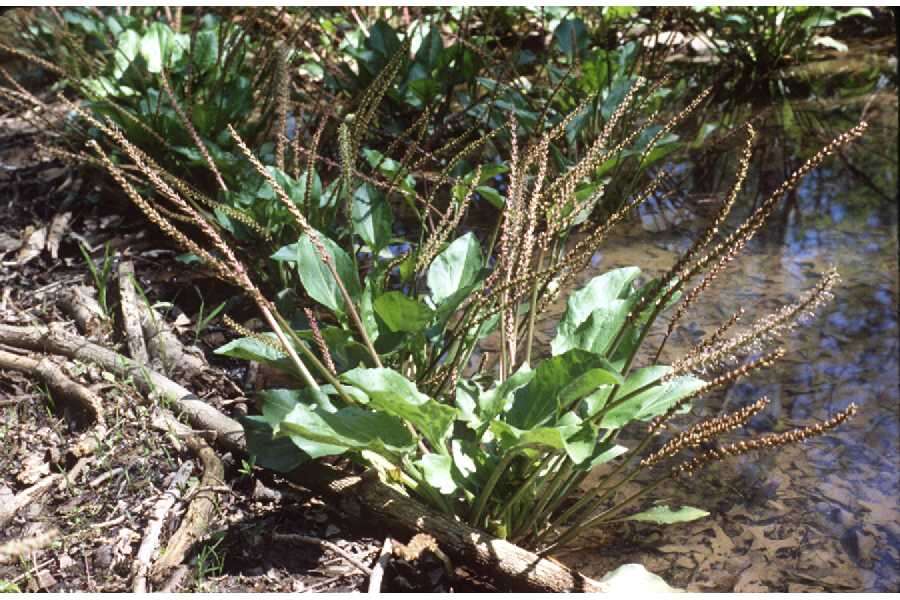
57 230
8 244
34 467
35 239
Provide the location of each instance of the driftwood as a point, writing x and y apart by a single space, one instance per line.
365 497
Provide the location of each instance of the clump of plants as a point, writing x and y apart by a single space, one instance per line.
384 332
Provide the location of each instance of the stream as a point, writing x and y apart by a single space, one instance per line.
822 515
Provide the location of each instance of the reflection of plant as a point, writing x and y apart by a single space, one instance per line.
757 41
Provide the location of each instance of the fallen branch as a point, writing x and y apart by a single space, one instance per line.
131 316
26 497
196 519
167 353
161 510
203 417
79 303
366 498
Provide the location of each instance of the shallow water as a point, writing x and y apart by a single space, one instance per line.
817 516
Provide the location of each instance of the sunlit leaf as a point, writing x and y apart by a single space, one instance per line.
664 515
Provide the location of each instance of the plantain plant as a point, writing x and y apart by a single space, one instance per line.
384 334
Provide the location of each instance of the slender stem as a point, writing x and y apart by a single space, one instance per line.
532 311
520 493
288 347
577 529
478 508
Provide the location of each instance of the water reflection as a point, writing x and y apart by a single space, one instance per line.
824 515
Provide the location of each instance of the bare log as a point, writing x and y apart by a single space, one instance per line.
364 497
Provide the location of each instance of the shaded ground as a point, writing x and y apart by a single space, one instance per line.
100 513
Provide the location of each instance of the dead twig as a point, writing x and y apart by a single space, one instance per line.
131 316
150 543
202 506
384 557
26 497
325 544
16 548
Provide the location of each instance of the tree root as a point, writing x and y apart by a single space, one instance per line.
364 497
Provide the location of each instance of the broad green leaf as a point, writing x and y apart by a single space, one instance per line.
651 402
664 515
588 383
829 42
467 394
455 268
127 48
580 446
279 454
498 399
315 275
571 36
402 313
371 215
604 295
351 428
602 454
206 49
491 195
391 392
438 473
157 46
538 402
253 349
278 402
510 437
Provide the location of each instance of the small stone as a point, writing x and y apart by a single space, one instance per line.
332 530
65 561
